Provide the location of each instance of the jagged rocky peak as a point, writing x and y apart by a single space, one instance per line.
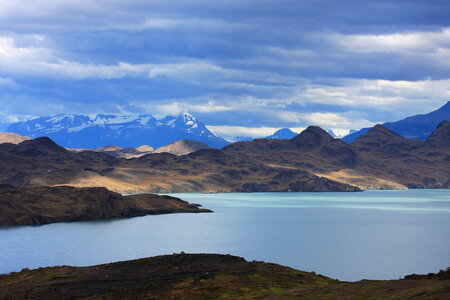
312 137
186 120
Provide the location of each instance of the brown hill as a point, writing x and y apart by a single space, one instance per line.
41 162
42 205
311 161
312 138
208 276
313 149
182 147
13 138
440 138
389 161
206 170
380 140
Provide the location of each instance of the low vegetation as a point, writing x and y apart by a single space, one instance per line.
208 276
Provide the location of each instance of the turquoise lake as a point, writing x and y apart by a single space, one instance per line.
348 236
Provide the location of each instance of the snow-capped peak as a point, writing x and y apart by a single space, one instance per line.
186 120
187 117
82 131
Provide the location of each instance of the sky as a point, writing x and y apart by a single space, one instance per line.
242 67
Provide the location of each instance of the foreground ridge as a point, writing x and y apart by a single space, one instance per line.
208 276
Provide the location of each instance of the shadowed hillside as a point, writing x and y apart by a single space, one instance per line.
311 161
208 276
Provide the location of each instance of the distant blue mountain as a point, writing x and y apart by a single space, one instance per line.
78 131
282 134
417 127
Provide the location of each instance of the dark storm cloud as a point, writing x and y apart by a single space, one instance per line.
246 63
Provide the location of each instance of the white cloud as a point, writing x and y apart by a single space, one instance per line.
409 42
9 51
232 131
42 61
415 96
334 120
173 108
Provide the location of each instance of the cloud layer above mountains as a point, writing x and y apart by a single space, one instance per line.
234 64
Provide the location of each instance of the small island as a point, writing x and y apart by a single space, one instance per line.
43 205
208 276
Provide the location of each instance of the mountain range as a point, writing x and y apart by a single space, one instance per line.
311 161
417 127
79 131
125 131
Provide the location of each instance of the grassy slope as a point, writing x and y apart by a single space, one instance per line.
207 276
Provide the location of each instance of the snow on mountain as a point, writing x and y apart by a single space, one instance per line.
78 131
330 132
282 134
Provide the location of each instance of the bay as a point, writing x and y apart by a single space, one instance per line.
348 236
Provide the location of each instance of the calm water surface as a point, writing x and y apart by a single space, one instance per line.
349 236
